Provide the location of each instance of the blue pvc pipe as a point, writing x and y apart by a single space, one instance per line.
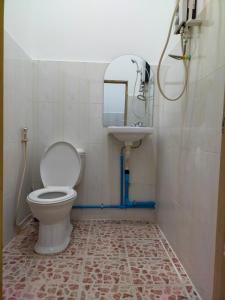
121 178
126 196
99 206
132 204
124 193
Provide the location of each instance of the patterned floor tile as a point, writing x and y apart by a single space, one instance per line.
100 270
54 292
145 248
77 247
101 223
55 271
192 293
105 260
45 291
107 292
168 248
136 223
141 234
22 245
80 229
15 268
107 247
152 271
140 230
107 231
160 293
13 290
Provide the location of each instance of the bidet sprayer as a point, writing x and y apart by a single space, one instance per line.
24 135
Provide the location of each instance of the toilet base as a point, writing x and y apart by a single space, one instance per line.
53 238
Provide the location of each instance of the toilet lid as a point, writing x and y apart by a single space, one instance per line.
60 165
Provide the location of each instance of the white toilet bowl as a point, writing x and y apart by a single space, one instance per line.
52 205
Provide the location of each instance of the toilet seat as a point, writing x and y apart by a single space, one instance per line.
52 195
60 165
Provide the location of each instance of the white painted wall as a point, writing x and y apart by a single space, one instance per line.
89 30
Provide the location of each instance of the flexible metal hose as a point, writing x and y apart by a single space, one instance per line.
18 226
161 58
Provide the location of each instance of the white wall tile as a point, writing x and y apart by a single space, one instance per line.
189 141
18 114
47 81
78 119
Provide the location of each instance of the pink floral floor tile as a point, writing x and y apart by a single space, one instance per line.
106 229
45 291
100 270
22 245
13 290
100 246
107 292
80 229
181 271
145 248
104 260
77 247
54 292
152 271
144 233
103 222
192 293
15 268
107 232
56 271
161 293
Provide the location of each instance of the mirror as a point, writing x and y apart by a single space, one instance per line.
128 92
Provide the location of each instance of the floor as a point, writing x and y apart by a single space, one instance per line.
105 260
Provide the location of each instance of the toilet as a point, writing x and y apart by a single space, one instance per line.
61 170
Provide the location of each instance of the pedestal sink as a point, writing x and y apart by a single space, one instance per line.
129 134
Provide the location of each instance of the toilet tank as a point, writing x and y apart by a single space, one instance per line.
82 154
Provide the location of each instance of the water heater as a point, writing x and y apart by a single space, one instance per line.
186 13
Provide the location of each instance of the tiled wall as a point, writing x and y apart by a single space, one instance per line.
17 114
189 139
68 102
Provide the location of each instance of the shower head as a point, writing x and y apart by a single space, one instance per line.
180 57
136 63
176 56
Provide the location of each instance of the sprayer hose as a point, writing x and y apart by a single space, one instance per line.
21 186
161 58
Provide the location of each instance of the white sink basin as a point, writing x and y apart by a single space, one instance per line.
129 134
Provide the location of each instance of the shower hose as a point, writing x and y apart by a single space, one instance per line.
162 55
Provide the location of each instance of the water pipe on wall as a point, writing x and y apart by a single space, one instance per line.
125 202
125 171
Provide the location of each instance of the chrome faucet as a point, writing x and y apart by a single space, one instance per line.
138 124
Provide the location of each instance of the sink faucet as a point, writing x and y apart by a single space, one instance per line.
138 124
